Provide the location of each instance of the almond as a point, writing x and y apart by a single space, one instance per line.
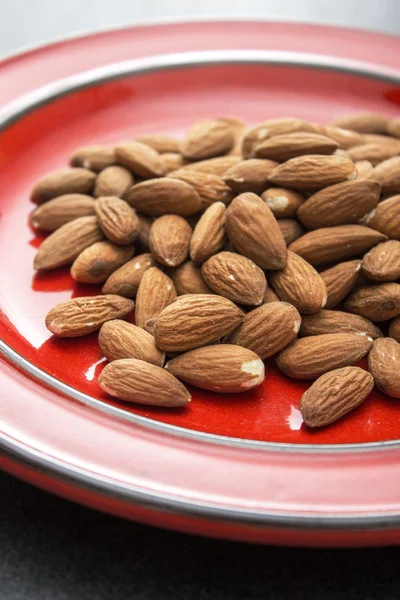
374 152
363 122
238 128
172 161
335 394
267 329
382 263
344 137
188 280
379 302
291 230
340 280
117 220
289 145
310 357
394 329
209 233
332 244
53 214
195 320
119 339
393 127
336 321
313 171
283 202
96 263
343 153
253 230
386 140
206 139
140 382
95 158
140 159
384 366
386 217
156 291
113 181
166 195
161 143
235 277
347 202
364 169
125 280
210 188
66 181
249 175
269 296
81 316
270 128
214 166
169 240
66 243
221 368
300 284
143 239
388 175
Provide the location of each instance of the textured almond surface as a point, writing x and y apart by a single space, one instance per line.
156 291
270 296
384 366
283 202
394 329
222 368
289 145
96 263
117 219
120 339
211 188
336 321
195 320
364 169
340 280
393 127
66 181
139 158
95 158
172 161
335 394
53 214
113 181
249 175
270 128
382 263
81 316
165 195
213 166
169 240
386 217
140 382
206 139
310 357
209 233
344 137
379 302
291 230
125 280
188 279
388 175
363 122
143 238
160 143
313 172
374 152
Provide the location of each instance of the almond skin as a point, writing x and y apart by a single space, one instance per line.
140 159
289 145
209 233
160 143
96 263
300 284
188 279
117 220
283 202
333 244
214 166
267 329
270 296
249 175
66 181
195 320
140 382
386 218
384 366
344 137
270 128
95 158
363 122
334 395
254 231
235 277
374 152
291 230
238 128
156 291
125 280
206 139
393 127
364 169
113 181
120 339
81 316
65 244
169 240
221 368
340 280
336 321
172 161
57 212
347 202
388 175
382 263
379 302
394 329
164 196
313 171
211 188
310 357
143 239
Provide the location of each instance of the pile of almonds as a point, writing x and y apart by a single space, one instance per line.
193 230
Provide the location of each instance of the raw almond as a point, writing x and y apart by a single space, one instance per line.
140 382
267 329
156 291
283 202
65 244
235 277
291 230
95 158
269 296
385 217
379 302
117 220
310 357
386 140
334 395
289 145
161 143
382 263
363 122
140 159
374 152
313 171
336 321
195 320
388 175
384 366
249 175
172 161
96 263
394 329
340 280
120 339
270 128
66 181
254 231
125 280
300 284
166 195
188 279
209 233
333 244
214 166
169 240
364 169
344 137
53 214
211 188
143 239
206 139
113 181
238 128
340 204
393 127
221 368
81 316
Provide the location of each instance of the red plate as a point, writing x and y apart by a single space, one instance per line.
236 466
